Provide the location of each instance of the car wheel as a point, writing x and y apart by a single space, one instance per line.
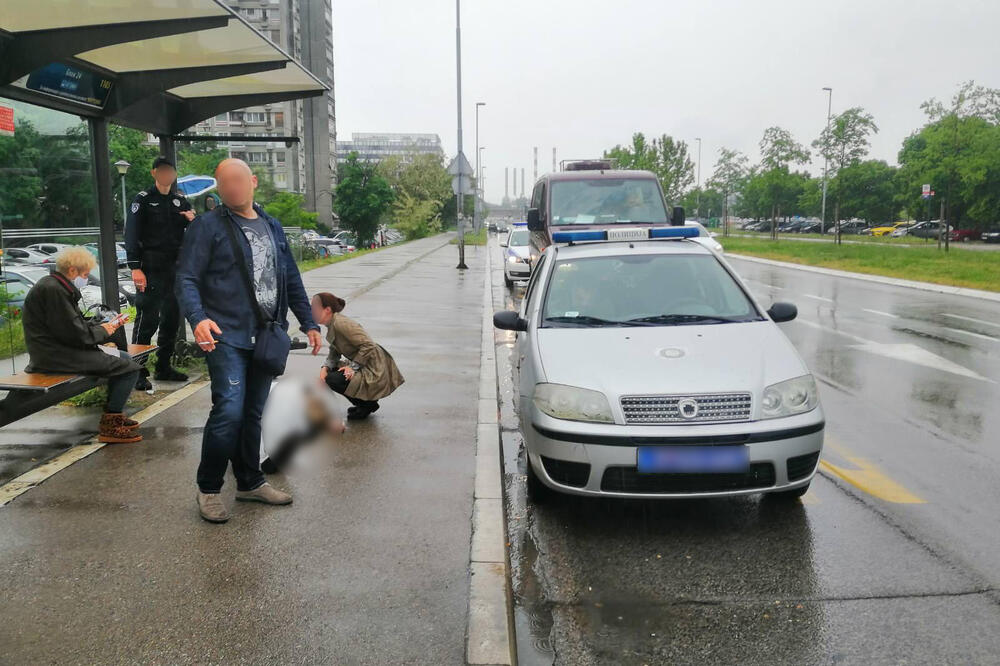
538 492
507 281
788 495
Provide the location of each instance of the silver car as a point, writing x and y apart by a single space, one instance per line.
646 369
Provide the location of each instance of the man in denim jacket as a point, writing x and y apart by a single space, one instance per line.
214 299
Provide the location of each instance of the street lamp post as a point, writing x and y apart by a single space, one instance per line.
826 160
122 167
459 159
698 184
475 206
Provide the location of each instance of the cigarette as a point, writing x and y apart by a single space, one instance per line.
205 344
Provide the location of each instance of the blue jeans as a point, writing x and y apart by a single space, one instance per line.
232 433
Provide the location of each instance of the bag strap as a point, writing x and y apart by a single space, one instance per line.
241 261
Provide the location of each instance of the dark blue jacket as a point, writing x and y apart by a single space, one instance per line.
210 285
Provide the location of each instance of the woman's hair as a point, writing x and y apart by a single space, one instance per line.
328 300
76 257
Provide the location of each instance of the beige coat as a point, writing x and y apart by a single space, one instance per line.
378 375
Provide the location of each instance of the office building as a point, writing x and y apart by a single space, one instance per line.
376 146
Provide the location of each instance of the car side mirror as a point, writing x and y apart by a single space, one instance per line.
503 243
780 312
508 320
677 219
534 220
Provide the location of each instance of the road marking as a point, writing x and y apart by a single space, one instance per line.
879 312
902 352
33 477
818 298
975 335
972 319
869 479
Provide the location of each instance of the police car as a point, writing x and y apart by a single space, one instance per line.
515 255
647 369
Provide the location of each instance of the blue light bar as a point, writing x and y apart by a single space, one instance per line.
674 232
579 236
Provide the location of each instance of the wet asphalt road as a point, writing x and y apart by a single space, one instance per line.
892 557
108 562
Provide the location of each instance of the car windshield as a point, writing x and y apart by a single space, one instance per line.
644 290
518 238
607 201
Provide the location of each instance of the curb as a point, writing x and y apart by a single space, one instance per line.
490 637
895 282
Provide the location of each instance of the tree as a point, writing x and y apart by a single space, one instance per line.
266 190
728 177
199 158
287 208
422 189
779 149
866 190
844 142
416 218
776 184
132 146
361 198
666 157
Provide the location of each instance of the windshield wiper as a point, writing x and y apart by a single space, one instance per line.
684 319
583 320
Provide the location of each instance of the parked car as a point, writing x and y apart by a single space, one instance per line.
126 286
927 230
887 229
848 227
326 247
705 237
346 239
48 248
29 275
965 235
22 256
708 398
811 228
992 235
515 256
120 255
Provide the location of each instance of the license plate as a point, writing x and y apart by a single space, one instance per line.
629 233
693 459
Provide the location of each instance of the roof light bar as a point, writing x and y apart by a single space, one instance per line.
640 233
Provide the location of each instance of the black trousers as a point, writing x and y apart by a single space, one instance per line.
157 309
336 380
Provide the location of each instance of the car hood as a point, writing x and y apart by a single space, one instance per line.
669 359
519 250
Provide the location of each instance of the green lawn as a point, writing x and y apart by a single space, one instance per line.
978 270
472 239
310 264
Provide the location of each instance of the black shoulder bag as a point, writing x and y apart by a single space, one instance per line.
272 344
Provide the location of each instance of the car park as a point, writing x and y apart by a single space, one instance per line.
992 235
120 255
927 230
27 276
22 256
326 247
48 248
515 255
126 286
965 235
848 227
703 395
888 229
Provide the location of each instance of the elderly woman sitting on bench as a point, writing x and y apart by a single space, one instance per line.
61 341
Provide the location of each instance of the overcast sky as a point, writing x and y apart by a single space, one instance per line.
583 75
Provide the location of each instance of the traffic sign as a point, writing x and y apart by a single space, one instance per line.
460 166
926 189
461 184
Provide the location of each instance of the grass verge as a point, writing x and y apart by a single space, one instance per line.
977 270
472 239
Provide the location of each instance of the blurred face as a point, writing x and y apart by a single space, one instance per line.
164 175
236 183
321 315
73 272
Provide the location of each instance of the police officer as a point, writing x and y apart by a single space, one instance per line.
153 235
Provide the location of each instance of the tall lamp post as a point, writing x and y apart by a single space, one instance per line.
461 155
698 184
122 167
826 160
475 205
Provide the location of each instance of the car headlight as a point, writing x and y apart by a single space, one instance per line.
794 396
573 404
514 259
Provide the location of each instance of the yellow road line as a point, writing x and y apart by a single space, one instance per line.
33 477
868 478
809 498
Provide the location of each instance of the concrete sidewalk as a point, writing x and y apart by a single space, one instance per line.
108 562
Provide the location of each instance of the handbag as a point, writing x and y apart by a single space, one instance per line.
271 344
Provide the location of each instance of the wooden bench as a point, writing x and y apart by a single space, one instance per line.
30 392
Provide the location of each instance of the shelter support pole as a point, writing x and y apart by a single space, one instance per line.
105 211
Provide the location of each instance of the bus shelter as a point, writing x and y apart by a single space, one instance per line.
159 66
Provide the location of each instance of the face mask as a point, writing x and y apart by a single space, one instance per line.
80 282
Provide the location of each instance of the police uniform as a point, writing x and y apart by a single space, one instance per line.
153 236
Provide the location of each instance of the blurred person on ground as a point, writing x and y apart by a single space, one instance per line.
297 413
215 300
376 375
154 232
61 341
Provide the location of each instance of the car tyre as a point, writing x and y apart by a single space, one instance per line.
789 495
507 281
538 492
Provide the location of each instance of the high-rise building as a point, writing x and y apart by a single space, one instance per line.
376 146
304 29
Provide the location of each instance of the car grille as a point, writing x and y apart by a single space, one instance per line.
800 467
629 480
566 472
712 407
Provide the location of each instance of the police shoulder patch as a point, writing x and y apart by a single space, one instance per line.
135 207
142 193
177 202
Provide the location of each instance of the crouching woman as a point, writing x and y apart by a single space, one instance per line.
61 341
377 375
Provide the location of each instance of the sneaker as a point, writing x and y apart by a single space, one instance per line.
169 374
265 493
211 508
